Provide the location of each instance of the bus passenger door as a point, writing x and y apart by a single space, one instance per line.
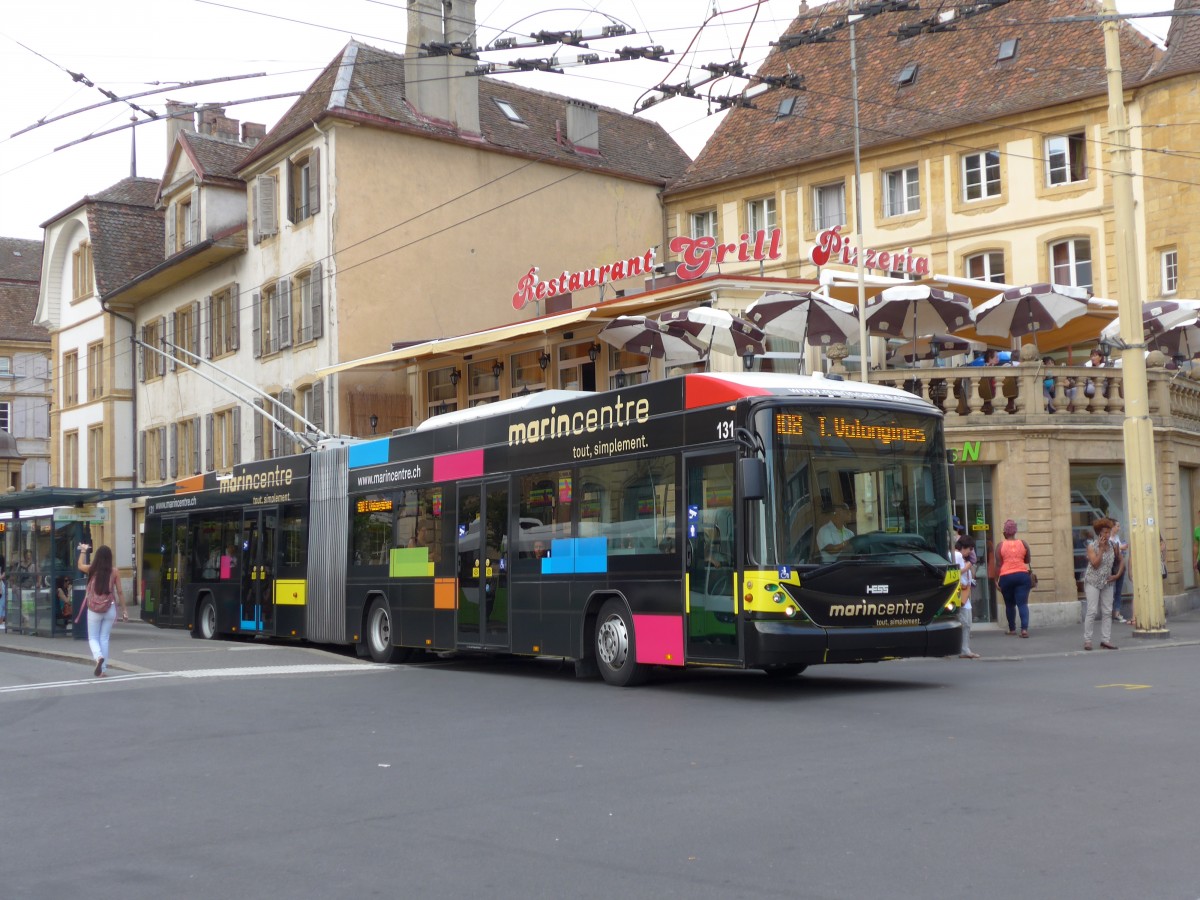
257 566
711 561
482 552
174 573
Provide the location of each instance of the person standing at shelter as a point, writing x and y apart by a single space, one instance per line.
1098 578
103 586
964 558
1012 573
1121 547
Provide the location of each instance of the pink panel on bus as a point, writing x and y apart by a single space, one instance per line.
659 640
452 466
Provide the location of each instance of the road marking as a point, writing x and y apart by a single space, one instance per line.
1128 687
242 672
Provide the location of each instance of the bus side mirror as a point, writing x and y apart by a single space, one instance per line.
753 475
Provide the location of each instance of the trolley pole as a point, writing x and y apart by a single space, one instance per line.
1140 476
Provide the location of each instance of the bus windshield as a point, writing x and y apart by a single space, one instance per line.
848 483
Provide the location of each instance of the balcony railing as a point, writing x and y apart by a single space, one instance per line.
1019 394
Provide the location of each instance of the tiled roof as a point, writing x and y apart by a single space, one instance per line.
959 80
1183 44
132 191
374 90
20 260
217 157
126 232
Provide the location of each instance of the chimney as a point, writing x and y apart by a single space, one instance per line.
181 117
253 132
438 86
583 125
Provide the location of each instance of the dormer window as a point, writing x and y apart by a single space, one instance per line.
183 222
907 76
786 105
1008 49
509 111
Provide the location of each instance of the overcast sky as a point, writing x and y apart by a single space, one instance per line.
134 46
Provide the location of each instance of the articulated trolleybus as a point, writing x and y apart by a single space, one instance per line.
753 521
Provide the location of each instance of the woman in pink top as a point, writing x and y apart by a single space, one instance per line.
1010 569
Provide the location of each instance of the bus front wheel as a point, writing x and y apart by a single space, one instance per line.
206 620
379 635
616 646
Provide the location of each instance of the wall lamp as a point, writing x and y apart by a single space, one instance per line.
455 376
748 360
544 360
621 379
497 368
374 422
594 352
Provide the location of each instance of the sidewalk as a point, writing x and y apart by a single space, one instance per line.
989 640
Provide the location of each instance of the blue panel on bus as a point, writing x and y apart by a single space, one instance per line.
373 453
561 560
591 554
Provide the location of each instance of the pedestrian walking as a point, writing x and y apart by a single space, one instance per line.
103 587
1013 575
1121 562
1098 578
964 557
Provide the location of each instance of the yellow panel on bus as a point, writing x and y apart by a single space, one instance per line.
290 592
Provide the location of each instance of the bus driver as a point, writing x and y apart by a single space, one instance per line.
834 537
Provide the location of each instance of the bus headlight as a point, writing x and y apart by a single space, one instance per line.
780 597
790 612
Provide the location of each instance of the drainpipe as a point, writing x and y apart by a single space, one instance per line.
331 407
133 347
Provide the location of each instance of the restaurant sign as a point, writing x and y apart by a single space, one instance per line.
696 254
530 287
833 246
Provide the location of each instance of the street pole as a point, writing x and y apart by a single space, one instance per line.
1140 476
858 214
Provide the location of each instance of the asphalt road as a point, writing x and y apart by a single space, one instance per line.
323 777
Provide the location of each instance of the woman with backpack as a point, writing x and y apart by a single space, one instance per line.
103 586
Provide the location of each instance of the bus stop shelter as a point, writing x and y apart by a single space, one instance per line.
40 531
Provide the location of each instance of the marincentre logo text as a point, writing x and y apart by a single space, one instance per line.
272 478
617 414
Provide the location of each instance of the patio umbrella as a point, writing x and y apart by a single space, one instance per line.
1183 340
1030 309
714 329
641 334
1158 316
909 311
807 317
932 346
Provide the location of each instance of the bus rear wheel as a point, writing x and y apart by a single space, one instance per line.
616 646
378 634
206 620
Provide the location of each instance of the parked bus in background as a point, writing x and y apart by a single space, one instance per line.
676 523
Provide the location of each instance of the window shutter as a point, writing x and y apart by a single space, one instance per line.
235 318
194 467
266 210
193 223
254 210
237 435
258 430
318 404
314 181
171 212
160 365
140 356
207 326
210 431
195 332
256 323
318 287
172 330
173 450
142 457
291 191
162 453
283 292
